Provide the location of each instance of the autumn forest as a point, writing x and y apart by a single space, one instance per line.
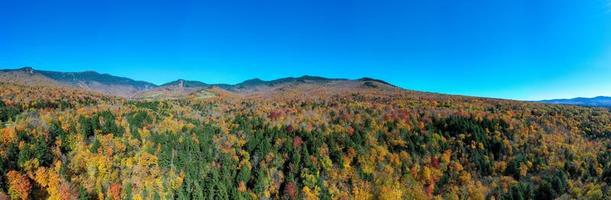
298 143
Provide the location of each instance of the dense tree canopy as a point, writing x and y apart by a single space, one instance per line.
59 143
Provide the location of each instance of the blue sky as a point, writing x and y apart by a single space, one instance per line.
522 49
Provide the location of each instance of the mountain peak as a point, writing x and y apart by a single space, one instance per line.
254 81
317 78
368 79
90 72
309 77
27 69
185 83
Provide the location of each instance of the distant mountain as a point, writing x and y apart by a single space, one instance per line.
26 76
303 79
367 79
186 88
258 84
177 89
252 82
92 76
600 101
185 83
89 80
129 88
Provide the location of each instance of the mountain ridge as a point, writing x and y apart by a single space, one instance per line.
88 80
126 87
74 76
598 101
185 83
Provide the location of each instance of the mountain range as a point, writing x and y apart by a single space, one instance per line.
599 101
88 80
128 88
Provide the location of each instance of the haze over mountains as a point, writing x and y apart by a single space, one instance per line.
599 101
128 88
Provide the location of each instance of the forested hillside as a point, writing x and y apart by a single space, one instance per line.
299 143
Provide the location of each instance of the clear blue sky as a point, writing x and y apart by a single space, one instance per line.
519 49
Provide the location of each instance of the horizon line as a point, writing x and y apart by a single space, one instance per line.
303 75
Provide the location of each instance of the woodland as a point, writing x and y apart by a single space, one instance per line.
60 143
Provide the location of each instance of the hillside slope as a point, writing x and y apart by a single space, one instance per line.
26 76
88 80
